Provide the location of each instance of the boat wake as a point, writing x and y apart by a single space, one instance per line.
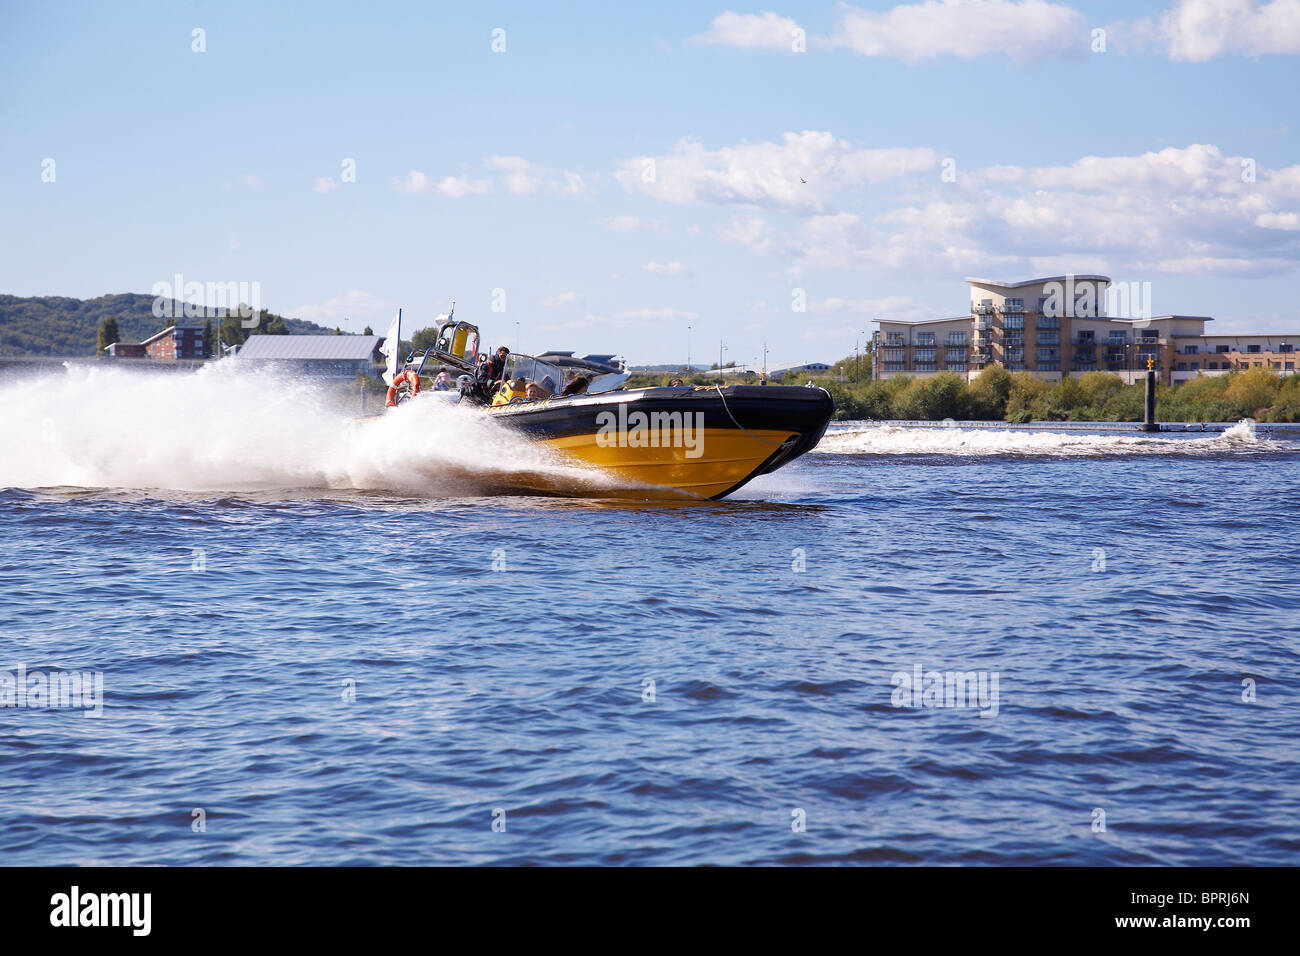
893 440
225 429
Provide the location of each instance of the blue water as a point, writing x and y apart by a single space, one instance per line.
1121 590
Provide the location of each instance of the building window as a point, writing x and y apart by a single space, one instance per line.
1049 322
1014 305
1049 355
924 338
1013 322
1286 347
893 366
956 338
1252 349
1049 338
1049 366
1015 355
1222 349
1182 366
954 355
957 367
893 355
924 366
924 355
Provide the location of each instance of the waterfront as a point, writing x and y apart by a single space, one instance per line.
498 648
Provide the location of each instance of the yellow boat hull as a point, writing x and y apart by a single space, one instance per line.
728 458
686 442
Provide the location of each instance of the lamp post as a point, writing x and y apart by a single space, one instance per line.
721 348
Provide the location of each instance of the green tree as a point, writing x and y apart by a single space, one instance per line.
1026 394
424 339
368 331
277 327
1252 390
987 395
108 334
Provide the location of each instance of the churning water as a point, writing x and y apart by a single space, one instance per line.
348 643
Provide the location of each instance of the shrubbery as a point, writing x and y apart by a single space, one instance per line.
998 395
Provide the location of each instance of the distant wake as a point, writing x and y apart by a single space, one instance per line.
227 429
974 442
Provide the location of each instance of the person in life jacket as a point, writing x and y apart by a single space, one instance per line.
406 384
487 378
443 382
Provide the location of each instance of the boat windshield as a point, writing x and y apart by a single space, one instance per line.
547 376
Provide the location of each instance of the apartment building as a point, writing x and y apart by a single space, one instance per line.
1058 325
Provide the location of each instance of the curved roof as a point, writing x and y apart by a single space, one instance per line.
974 280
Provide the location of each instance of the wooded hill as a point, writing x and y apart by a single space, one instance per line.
64 327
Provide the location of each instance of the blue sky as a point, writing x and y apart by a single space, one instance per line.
938 140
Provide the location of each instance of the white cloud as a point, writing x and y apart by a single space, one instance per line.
752 31
452 187
665 268
1175 211
963 28
325 184
564 298
1278 220
1199 30
522 177
663 314
573 185
801 172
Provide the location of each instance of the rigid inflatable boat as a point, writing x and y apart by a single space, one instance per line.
702 441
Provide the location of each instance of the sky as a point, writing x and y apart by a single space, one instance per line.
654 180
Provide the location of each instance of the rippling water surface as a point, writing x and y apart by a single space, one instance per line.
500 650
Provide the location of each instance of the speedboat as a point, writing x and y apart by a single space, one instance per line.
697 441
690 441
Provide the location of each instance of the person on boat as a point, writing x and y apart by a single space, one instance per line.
535 393
443 382
577 387
487 379
677 383
491 373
